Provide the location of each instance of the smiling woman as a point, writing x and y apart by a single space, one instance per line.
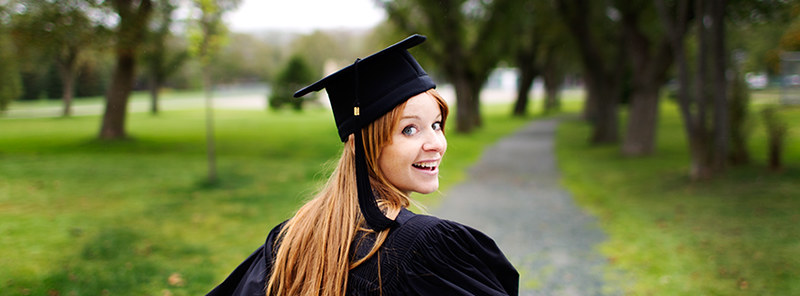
356 237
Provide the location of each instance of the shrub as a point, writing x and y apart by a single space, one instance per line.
294 75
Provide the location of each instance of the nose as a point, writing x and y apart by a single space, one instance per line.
434 142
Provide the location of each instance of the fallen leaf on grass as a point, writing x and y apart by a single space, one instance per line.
176 279
743 284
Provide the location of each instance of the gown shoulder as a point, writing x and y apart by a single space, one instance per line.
250 277
431 256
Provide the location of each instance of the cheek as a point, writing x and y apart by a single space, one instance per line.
388 159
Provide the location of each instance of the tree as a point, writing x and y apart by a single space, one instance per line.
708 144
554 70
756 29
776 137
318 48
708 116
651 56
63 31
206 44
739 102
160 59
133 19
540 49
595 28
295 75
526 52
467 38
253 59
10 84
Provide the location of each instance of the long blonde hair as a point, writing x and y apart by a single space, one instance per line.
313 250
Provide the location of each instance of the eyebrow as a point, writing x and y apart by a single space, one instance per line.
417 117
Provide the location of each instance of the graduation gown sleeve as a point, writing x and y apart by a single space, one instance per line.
448 258
250 277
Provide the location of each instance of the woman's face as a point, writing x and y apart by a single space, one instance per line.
411 161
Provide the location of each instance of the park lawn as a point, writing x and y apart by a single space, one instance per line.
80 216
667 235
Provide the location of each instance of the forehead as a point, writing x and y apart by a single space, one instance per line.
422 105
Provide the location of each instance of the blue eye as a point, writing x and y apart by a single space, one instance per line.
437 126
409 130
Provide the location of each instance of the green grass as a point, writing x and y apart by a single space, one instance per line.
85 217
734 235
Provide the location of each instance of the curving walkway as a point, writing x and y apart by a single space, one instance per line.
513 195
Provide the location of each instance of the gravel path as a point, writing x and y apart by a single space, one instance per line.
513 195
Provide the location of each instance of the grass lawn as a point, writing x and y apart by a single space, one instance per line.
84 217
735 235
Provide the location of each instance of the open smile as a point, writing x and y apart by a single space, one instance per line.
429 166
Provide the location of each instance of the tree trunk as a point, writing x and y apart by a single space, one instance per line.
66 63
738 110
701 164
602 72
133 17
552 100
154 88
702 67
719 83
606 129
527 73
526 63
603 91
467 115
642 122
590 104
774 151
113 126
68 91
553 79
700 159
692 108
475 89
649 64
211 152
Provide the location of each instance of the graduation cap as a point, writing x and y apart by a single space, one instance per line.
363 92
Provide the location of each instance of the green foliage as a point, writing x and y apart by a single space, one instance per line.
318 48
211 33
10 83
89 217
735 235
756 29
53 84
467 39
93 77
246 58
790 41
54 38
161 55
295 75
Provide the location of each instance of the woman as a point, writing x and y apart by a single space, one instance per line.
356 236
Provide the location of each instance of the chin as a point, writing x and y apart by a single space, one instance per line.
427 189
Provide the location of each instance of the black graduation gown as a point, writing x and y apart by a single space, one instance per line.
425 255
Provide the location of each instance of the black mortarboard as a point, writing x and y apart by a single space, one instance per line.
363 92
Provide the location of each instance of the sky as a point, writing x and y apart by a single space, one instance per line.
304 15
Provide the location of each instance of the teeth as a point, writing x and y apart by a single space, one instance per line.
428 165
